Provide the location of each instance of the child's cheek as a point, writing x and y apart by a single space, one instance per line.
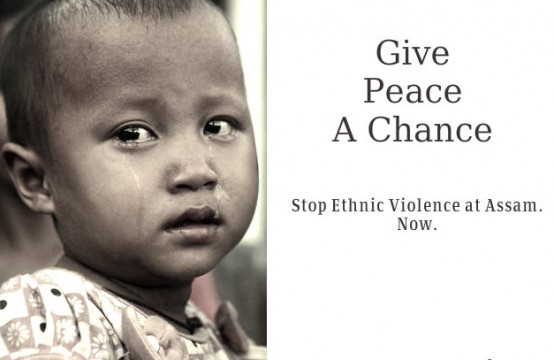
238 179
134 192
221 197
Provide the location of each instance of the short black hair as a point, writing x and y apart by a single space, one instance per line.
10 9
31 76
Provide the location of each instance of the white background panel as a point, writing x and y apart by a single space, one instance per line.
352 286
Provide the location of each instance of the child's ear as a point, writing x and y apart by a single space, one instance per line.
27 172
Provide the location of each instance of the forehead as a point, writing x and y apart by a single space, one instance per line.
99 54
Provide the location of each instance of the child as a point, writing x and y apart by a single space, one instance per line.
28 240
129 125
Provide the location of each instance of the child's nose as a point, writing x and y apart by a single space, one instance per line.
193 169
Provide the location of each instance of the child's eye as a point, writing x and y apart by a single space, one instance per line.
219 127
134 134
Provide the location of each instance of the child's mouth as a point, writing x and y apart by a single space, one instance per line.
195 224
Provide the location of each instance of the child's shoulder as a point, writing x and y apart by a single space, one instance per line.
53 312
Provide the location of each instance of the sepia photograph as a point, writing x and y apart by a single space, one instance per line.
133 196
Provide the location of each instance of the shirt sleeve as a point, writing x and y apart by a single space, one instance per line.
45 319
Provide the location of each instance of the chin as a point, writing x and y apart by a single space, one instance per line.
186 274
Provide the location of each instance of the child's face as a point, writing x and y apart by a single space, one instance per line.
154 172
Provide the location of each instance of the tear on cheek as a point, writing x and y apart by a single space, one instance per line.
138 195
220 195
136 179
129 168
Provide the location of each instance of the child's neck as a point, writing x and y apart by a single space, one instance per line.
28 241
166 301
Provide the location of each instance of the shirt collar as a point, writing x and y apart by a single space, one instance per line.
189 325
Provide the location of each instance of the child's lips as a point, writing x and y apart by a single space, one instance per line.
196 224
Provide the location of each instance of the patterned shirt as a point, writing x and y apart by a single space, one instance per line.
58 314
